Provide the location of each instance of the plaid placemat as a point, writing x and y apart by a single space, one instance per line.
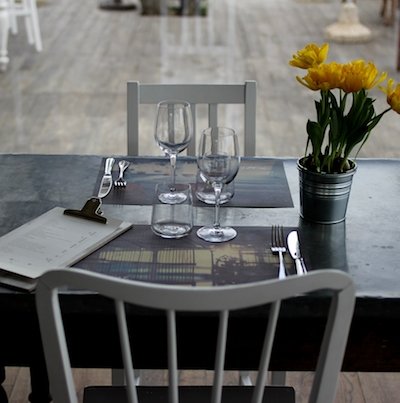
140 255
261 182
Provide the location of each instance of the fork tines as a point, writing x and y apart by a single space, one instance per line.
277 238
278 246
120 183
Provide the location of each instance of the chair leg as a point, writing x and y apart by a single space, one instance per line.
278 378
13 17
34 19
118 377
4 28
244 378
28 22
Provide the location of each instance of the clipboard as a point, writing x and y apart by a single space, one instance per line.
53 240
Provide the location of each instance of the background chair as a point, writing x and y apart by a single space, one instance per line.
213 95
28 10
173 299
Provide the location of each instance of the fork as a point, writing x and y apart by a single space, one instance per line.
120 182
278 246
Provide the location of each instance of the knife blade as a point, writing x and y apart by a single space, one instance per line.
106 180
294 250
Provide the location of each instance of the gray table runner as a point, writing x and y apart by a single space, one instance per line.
261 182
141 255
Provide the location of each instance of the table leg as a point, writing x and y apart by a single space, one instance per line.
4 29
3 395
39 384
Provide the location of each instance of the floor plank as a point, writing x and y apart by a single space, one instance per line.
18 384
383 388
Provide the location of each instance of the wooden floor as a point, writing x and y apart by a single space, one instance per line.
71 98
353 387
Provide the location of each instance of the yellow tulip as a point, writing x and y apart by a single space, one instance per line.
393 95
323 77
358 75
340 127
310 56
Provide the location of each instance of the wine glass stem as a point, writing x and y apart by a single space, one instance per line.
217 190
172 158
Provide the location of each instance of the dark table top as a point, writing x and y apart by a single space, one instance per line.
365 245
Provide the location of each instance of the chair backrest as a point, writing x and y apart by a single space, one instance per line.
174 299
195 94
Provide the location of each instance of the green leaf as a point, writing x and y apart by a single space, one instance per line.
345 127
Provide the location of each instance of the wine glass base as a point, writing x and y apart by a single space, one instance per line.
171 230
211 234
209 198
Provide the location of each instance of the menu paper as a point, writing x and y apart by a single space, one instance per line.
50 241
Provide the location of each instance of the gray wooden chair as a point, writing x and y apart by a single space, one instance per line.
173 299
212 95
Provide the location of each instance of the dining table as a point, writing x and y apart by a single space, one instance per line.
365 245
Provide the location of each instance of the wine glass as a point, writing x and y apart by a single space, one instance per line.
173 132
218 162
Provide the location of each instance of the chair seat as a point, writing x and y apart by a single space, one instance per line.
187 394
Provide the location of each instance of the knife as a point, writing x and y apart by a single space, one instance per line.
294 250
106 180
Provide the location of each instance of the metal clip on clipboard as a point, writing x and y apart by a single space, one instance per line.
90 211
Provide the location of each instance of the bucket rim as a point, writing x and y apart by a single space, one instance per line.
349 172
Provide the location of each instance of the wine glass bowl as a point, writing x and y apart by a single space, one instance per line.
173 132
218 161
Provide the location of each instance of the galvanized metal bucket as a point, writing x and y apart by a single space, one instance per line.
324 197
